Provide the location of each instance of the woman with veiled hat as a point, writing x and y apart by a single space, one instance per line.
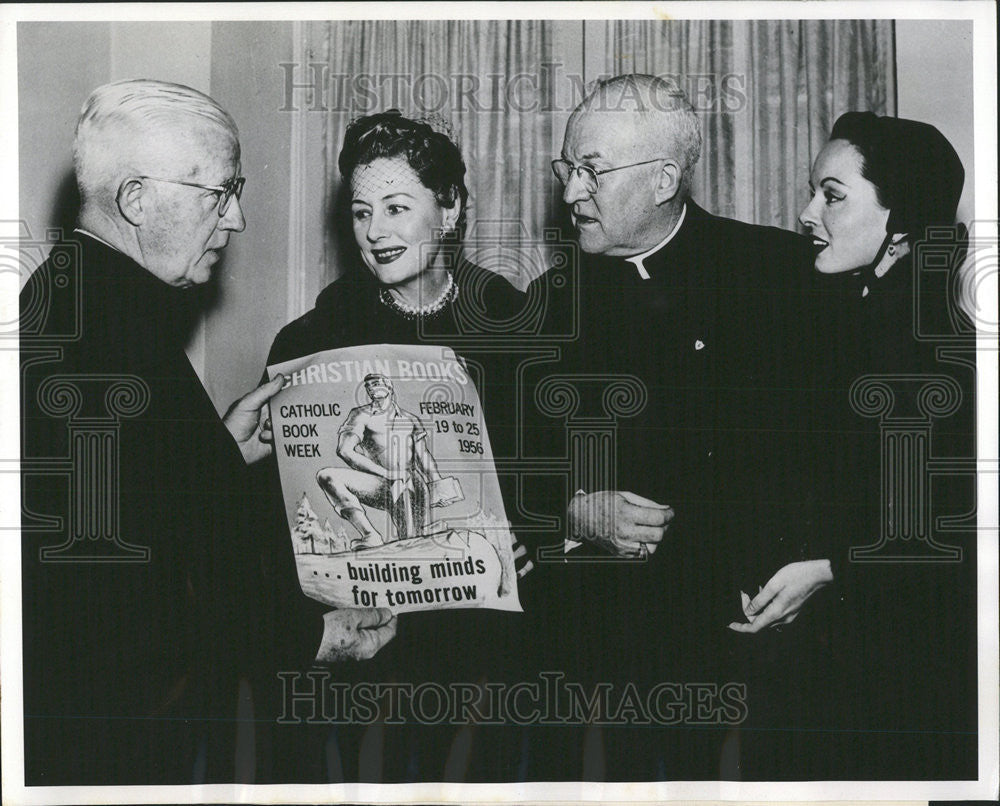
409 283
887 654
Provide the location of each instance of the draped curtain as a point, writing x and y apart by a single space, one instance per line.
767 92
698 55
803 75
485 79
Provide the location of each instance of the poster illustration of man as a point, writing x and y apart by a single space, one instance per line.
389 466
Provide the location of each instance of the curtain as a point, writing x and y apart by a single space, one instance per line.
489 82
698 55
768 93
802 77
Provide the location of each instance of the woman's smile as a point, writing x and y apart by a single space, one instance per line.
387 255
397 223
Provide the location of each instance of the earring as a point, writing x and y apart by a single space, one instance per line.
892 250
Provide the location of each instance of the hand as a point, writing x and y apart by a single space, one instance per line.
522 563
244 417
351 634
622 523
266 433
781 599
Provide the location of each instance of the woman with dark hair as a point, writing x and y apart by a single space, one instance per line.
411 284
887 654
876 188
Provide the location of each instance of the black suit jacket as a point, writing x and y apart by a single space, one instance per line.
131 661
706 337
710 337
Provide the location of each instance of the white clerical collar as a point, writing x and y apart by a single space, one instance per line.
89 234
637 260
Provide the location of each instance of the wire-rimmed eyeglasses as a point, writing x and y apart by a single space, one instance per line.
563 169
226 191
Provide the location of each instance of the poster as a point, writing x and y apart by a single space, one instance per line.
388 480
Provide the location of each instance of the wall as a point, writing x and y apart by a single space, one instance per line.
247 81
934 85
59 64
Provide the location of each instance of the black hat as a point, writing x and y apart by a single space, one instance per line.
916 170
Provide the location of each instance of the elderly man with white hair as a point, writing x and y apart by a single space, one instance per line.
691 307
159 590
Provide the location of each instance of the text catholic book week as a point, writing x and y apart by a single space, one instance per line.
388 481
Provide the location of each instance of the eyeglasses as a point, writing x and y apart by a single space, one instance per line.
563 169
225 191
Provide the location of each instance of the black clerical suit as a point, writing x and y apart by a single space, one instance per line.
132 661
706 336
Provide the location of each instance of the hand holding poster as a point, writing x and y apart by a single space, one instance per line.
388 480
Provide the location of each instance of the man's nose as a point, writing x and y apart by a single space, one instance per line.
233 218
575 191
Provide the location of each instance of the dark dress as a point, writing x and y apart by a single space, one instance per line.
885 680
465 646
158 591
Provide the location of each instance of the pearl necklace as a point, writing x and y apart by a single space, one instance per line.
424 311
